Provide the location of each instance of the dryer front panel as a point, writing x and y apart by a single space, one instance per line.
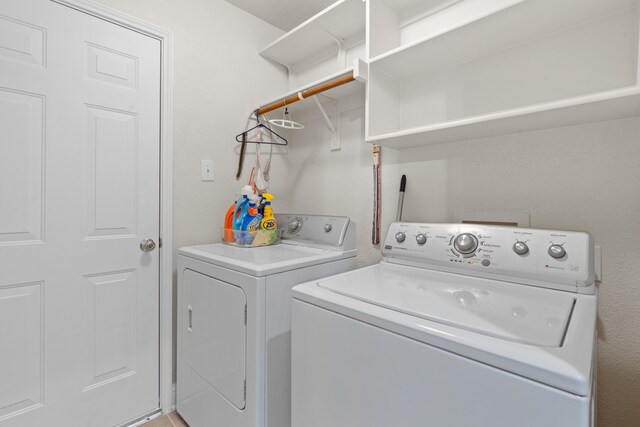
214 345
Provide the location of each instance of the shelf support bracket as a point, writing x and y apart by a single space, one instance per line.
335 143
342 53
289 76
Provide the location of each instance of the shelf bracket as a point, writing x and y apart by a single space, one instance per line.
335 143
342 52
289 76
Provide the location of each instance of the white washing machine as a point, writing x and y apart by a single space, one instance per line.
458 326
234 338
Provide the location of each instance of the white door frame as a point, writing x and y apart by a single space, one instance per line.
167 399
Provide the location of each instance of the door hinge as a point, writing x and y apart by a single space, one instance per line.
245 315
159 242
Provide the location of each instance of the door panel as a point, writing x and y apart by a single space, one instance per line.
110 319
21 347
112 146
21 166
112 66
79 190
21 41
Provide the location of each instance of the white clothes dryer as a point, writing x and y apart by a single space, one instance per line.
458 326
234 338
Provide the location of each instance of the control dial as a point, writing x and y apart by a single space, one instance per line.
466 243
521 248
556 251
295 225
400 236
421 239
328 227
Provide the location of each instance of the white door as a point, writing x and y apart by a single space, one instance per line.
79 190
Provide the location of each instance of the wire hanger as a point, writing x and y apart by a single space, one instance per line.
272 137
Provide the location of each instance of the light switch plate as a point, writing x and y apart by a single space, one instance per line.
207 170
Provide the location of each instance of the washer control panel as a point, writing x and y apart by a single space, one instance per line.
522 255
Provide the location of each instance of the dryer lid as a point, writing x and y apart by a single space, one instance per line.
264 260
513 312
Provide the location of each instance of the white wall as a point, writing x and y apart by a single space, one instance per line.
579 178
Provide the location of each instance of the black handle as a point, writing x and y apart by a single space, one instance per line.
403 183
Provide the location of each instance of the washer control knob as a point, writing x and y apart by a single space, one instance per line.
421 239
466 243
520 248
400 236
556 251
295 225
328 227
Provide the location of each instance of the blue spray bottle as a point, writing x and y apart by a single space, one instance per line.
240 211
251 222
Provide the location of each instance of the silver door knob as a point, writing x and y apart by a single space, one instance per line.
147 245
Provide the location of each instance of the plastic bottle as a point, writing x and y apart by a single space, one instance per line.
240 211
251 221
262 203
228 224
268 225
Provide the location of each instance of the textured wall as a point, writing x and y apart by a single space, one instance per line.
579 178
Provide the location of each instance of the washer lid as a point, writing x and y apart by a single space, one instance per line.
513 312
264 260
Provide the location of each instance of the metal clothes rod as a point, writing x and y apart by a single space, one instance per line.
306 94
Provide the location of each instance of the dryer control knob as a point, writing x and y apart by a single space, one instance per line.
328 227
295 225
421 239
556 251
520 248
466 243
400 236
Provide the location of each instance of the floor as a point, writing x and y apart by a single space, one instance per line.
170 420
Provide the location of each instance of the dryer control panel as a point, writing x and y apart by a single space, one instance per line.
334 232
555 259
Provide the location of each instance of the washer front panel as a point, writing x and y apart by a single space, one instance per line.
350 373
